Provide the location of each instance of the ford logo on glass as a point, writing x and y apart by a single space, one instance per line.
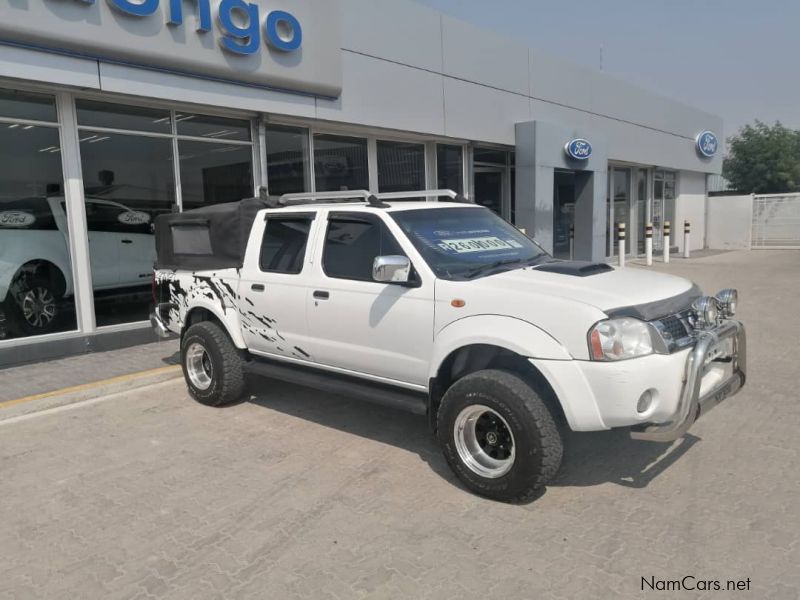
133 217
578 149
707 144
16 218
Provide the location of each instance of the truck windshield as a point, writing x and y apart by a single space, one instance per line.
465 243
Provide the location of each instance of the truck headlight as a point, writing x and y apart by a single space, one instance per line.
728 298
618 339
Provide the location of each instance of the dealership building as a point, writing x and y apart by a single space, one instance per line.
114 111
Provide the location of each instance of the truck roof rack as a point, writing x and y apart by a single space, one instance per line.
365 196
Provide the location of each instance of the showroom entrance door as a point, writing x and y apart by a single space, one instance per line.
563 212
619 207
490 188
663 206
492 180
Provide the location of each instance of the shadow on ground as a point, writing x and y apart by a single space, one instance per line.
172 359
589 458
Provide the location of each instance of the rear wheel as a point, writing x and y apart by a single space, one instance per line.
498 436
33 305
212 365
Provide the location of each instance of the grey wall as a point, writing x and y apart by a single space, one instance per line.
690 205
730 222
410 68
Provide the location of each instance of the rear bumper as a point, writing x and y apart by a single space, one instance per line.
158 325
696 399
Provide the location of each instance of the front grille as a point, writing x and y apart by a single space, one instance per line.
677 330
673 327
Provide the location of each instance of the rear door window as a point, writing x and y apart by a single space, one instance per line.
284 244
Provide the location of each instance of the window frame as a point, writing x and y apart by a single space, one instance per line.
357 216
309 216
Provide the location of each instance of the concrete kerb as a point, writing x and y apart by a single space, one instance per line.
87 391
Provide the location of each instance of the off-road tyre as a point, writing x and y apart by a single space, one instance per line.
537 443
225 368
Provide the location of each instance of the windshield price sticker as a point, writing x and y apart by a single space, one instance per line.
478 244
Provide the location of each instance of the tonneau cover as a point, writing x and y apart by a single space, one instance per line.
211 237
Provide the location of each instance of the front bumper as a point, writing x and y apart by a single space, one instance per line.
726 345
603 395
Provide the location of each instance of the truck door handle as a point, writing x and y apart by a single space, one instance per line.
257 287
321 295
127 241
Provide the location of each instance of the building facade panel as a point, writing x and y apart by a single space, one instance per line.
172 87
483 57
385 94
32 65
410 34
477 112
558 81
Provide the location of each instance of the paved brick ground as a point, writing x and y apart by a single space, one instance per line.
39 378
298 494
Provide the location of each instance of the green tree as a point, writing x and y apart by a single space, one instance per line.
763 159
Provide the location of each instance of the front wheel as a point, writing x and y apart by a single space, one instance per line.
498 435
33 306
212 366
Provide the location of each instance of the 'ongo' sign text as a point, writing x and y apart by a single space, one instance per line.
282 44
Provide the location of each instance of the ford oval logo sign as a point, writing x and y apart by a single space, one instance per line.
707 144
16 218
579 149
133 217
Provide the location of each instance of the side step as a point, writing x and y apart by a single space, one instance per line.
377 393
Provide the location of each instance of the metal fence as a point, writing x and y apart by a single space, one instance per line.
776 221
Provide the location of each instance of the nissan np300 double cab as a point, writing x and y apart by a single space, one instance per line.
445 309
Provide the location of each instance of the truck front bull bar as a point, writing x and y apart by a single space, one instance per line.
691 405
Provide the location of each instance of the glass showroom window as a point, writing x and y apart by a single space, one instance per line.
287 159
36 287
450 167
128 179
340 163
401 166
127 158
216 162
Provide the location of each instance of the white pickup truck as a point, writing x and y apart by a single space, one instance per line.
445 309
35 270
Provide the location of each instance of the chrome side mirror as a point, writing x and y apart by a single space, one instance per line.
391 269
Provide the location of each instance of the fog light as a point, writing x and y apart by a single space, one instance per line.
728 299
645 401
707 310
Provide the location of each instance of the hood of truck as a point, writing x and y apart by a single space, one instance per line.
607 291
563 305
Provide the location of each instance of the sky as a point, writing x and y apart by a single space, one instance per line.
739 59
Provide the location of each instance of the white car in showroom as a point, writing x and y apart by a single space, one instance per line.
35 268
